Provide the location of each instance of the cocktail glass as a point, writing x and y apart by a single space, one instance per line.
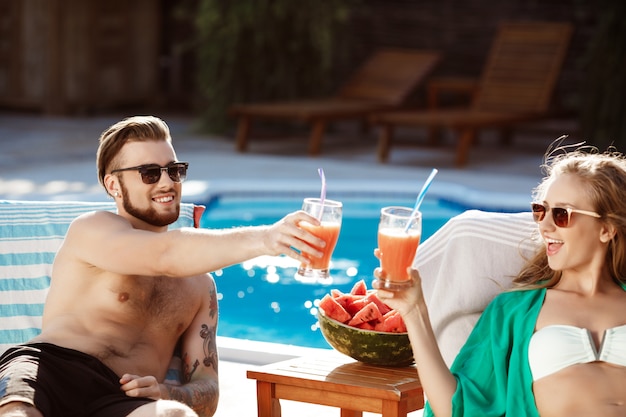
399 233
330 214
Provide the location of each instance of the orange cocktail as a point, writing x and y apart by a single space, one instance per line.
330 233
397 252
329 213
399 233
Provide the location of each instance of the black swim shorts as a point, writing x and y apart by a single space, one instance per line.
62 382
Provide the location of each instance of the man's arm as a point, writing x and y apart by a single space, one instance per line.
183 252
200 385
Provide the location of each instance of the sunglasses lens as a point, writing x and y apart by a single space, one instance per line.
539 212
150 175
177 172
560 216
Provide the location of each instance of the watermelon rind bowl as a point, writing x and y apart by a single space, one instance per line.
367 346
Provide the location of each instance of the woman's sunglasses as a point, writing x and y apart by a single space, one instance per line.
151 173
561 216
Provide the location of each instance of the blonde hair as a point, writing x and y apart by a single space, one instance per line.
603 177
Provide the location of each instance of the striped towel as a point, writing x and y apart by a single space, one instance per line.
465 264
30 234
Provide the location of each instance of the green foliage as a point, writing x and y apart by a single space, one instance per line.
603 110
250 50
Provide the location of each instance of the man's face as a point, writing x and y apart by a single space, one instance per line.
155 204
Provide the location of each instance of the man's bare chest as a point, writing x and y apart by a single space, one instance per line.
160 301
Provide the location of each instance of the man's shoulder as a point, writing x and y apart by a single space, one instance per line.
96 216
90 224
204 281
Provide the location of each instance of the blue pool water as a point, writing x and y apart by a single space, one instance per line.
260 299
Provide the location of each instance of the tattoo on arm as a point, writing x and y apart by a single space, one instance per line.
213 302
202 396
209 347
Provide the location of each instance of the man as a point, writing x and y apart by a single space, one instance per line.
126 293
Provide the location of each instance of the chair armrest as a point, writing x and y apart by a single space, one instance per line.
450 85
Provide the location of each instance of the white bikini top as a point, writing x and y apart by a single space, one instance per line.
556 347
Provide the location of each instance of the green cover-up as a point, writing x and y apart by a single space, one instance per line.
492 371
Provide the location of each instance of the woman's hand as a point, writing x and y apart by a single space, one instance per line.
140 386
407 299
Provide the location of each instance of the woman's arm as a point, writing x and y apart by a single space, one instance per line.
438 382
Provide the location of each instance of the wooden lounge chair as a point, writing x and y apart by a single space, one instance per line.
383 82
516 85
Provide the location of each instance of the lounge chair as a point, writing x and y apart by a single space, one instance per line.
516 86
383 82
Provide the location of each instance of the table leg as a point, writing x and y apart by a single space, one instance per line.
267 405
351 413
243 131
317 135
467 137
276 410
394 408
385 139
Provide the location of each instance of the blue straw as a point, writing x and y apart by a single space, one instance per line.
420 197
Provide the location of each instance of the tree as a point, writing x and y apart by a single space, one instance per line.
603 108
252 50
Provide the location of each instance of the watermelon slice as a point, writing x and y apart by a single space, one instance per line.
333 309
368 313
372 297
347 299
361 308
359 288
356 304
365 326
391 323
335 293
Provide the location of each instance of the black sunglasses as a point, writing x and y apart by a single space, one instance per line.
151 173
561 216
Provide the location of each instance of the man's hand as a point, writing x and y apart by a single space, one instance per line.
140 386
288 238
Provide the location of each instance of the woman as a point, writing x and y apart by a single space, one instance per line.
556 345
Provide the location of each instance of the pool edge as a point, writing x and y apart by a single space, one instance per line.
461 195
262 353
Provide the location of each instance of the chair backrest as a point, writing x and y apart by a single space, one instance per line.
31 232
465 264
390 75
523 67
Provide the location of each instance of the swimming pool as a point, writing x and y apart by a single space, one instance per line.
261 300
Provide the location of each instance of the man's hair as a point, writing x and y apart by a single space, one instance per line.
132 129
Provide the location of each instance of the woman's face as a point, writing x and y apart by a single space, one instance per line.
581 247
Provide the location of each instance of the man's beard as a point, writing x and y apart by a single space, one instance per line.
149 215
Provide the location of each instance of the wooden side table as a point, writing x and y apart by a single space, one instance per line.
338 381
